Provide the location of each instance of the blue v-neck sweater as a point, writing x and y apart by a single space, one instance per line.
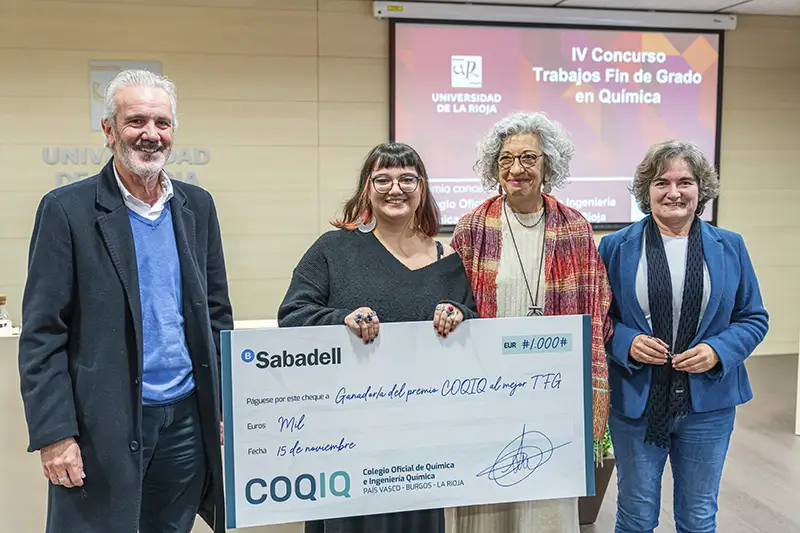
167 375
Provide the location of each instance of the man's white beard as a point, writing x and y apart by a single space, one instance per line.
148 170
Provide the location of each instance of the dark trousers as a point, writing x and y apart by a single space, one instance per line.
174 465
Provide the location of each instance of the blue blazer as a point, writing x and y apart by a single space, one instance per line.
734 323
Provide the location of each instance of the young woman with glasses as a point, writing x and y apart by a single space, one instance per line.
382 265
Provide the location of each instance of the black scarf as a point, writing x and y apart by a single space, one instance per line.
669 398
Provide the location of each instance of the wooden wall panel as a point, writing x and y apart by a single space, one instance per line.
760 129
759 170
350 124
356 80
352 33
746 88
40 24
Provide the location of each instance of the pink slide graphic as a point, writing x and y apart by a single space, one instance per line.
615 93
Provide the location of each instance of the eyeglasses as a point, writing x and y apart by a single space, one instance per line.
526 159
383 184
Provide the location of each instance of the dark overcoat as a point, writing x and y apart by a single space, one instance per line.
80 350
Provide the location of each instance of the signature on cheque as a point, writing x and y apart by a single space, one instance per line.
520 458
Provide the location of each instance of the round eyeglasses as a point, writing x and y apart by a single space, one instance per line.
526 159
384 184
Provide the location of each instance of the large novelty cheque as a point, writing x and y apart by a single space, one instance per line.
319 425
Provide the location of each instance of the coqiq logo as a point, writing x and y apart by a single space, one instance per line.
304 487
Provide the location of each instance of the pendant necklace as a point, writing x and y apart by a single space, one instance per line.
534 309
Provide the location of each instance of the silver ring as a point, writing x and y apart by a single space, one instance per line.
440 307
369 316
63 479
358 317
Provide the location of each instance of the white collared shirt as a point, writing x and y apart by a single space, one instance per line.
144 209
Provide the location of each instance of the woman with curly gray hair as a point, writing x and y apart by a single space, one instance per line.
526 253
687 312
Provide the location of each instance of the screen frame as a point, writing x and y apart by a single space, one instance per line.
596 226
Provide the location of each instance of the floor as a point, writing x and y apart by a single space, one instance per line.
760 490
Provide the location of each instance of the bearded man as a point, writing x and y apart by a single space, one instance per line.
125 299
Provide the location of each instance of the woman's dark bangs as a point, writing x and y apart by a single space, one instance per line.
398 158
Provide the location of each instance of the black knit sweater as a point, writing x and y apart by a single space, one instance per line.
344 270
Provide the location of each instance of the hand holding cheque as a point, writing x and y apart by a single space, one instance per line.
320 425
365 323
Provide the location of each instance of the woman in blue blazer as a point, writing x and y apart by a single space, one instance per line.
687 312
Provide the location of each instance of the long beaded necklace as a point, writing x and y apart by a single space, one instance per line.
534 309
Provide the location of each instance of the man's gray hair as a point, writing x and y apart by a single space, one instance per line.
555 143
655 163
138 78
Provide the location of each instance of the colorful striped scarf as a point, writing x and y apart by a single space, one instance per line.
575 279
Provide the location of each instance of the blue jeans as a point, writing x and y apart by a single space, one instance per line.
698 445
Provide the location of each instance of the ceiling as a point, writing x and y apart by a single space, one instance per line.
739 7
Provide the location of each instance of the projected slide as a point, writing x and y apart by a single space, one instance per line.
615 92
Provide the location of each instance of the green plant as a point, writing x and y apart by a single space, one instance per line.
607 447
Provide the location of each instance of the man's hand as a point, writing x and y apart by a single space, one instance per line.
62 463
699 359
